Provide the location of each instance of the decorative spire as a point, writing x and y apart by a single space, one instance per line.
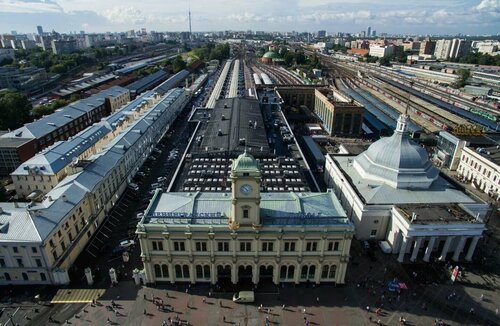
402 122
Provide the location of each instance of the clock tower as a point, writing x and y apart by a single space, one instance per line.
245 192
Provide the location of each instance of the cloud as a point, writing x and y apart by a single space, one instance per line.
489 5
29 7
122 15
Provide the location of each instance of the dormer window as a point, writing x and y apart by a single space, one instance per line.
246 174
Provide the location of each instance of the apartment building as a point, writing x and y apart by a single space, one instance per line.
44 171
19 145
41 240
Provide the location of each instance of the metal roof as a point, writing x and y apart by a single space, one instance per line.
287 209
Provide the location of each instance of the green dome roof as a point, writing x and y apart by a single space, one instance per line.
272 55
246 162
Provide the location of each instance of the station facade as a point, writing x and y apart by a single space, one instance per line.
245 236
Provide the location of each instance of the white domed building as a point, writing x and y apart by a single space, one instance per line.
393 193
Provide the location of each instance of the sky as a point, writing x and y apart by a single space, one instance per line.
469 17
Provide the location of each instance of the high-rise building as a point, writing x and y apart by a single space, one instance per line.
374 33
40 30
369 31
442 50
459 47
321 33
427 47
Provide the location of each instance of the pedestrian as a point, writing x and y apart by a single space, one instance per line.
204 300
224 318
220 303
283 307
370 319
144 311
209 293
166 294
482 297
317 299
304 311
144 296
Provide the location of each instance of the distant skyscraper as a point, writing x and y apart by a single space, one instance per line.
321 34
369 31
40 30
374 33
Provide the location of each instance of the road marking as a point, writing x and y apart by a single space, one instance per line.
77 295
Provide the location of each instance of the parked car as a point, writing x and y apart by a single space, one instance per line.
161 179
127 243
134 186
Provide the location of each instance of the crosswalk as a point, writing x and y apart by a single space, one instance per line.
77 295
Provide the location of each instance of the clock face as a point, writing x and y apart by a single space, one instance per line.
246 189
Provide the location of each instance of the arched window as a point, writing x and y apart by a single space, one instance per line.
185 271
283 271
329 271
199 271
178 271
288 272
164 270
157 270
206 272
7 276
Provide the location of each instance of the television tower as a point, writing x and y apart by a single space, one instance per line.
190 35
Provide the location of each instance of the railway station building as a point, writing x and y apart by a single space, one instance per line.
245 236
392 192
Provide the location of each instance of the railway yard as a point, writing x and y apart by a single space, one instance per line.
384 93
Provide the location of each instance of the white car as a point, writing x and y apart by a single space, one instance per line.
140 216
127 243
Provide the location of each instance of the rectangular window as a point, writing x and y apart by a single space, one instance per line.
333 246
245 246
157 245
245 213
20 262
63 245
179 246
267 246
38 262
223 246
201 246
311 246
2 262
289 246
373 233
15 250
34 250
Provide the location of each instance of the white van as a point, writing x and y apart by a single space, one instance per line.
244 297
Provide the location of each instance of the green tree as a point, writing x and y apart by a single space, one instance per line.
385 61
300 58
14 110
178 64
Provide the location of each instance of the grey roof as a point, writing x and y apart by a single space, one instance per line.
56 157
378 192
232 117
173 81
286 209
397 161
61 200
16 224
143 83
63 116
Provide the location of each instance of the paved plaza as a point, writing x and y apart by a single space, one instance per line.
422 304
